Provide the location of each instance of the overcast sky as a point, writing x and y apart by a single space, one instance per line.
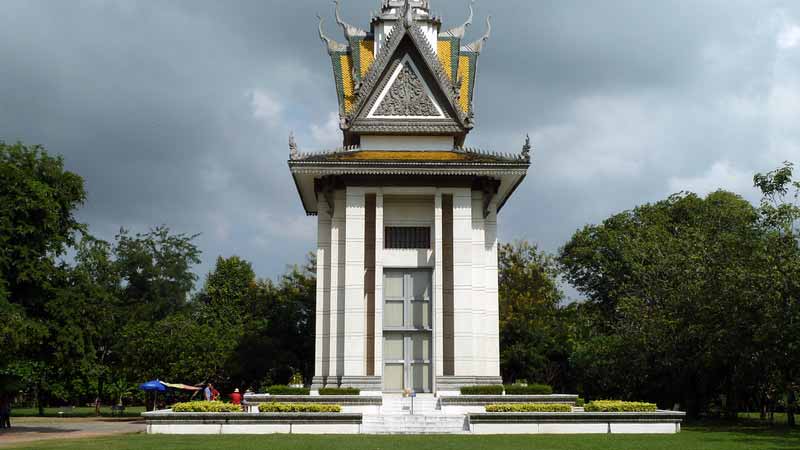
178 112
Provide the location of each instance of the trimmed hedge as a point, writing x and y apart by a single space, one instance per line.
528 407
206 407
298 408
531 389
619 406
580 402
492 389
339 391
286 390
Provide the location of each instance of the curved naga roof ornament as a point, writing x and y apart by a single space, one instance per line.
333 46
350 31
477 46
459 32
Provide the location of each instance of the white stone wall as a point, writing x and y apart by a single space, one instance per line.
341 301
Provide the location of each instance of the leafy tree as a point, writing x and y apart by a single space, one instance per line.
156 271
38 199
780 215
676 291
533 337
279 337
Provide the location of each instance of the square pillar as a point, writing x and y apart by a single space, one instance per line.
438 288
322 335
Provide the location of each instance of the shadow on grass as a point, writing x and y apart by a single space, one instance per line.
754 433
41 430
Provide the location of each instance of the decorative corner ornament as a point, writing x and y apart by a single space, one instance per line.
477 46
293 152
526 149
459 32
350 31
333 46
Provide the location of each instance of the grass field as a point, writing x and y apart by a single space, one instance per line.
693 438
105 411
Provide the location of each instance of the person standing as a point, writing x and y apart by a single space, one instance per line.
214 394
236 397
5 412
207 392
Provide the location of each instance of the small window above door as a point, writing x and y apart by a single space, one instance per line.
407 238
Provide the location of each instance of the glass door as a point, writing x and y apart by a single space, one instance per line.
407 330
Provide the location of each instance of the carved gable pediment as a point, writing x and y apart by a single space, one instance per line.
407 91
406 96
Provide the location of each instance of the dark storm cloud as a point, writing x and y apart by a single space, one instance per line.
177 112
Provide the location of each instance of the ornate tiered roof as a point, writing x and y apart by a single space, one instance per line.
405 91
445 69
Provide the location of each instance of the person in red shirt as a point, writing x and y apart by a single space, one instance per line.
214 394
236 397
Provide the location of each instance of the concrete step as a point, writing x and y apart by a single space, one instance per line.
417 424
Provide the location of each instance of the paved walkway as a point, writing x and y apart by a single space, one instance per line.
24 430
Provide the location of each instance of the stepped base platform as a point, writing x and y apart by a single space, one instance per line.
424 414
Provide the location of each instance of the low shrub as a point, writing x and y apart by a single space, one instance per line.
286 390
529 407
580 402
206 407
339 391
619 406
531 389
496 389
298 408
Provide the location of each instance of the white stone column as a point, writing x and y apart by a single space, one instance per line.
337 283
462 283
492 294
355 311
438 291
379 283
323 311
480 336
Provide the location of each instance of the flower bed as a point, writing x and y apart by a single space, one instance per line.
339 391
528 407
298 408
206 407
619 406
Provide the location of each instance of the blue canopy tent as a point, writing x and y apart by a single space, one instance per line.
154 386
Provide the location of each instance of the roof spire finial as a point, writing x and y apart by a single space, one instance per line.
293 153
408 14
526 149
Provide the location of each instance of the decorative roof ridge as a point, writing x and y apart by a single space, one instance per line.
515 157
296 155
389 48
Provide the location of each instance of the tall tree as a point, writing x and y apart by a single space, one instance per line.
38 200
780 214
676 291
533 337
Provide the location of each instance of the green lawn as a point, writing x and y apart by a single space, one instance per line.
105 411
693 438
